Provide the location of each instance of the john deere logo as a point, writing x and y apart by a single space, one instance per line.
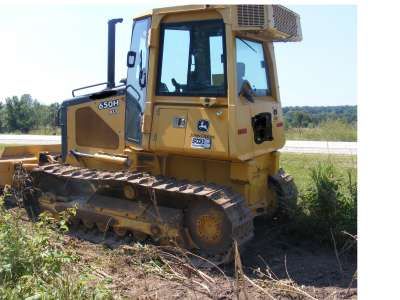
202 125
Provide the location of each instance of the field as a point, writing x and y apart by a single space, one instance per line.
331 130
287 258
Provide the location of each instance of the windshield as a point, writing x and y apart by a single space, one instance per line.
251 66
193 59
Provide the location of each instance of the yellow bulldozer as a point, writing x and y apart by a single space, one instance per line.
182 151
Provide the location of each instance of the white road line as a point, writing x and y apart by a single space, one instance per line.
349 148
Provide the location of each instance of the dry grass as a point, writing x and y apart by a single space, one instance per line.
169 273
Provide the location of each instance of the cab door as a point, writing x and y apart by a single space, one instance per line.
136 87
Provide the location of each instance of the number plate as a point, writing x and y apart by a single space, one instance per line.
201 142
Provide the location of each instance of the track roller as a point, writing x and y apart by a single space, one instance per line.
88 224
102 226
119 231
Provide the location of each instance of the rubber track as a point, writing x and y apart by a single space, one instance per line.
233 204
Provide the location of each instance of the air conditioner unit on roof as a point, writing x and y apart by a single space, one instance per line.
272 22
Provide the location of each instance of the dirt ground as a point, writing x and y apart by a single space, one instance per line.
274 266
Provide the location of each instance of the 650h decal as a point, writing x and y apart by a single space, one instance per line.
108 104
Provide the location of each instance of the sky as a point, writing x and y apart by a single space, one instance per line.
47 50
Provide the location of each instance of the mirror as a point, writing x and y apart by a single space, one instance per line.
142 78
131 59
246 91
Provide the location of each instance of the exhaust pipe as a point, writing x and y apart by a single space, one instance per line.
111 52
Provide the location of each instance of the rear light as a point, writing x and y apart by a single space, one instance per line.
242 130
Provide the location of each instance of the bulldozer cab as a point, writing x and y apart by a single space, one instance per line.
196 68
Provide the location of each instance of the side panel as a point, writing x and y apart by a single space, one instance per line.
217 118
172 129
96 126
169 136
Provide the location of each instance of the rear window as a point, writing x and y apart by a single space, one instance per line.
251 66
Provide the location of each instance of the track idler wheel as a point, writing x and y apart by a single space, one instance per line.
209 227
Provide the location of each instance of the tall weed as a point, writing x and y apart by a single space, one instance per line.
329 203
33 263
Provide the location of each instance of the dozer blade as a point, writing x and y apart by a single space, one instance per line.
27 155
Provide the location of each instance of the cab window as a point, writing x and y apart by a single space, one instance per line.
192 59
136 87
251 66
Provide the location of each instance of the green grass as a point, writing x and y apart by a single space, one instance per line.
327 202
34 265
331 130
300 165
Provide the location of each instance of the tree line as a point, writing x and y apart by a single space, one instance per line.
24 114
313 116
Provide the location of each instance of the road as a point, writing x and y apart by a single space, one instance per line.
291 146
24 139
